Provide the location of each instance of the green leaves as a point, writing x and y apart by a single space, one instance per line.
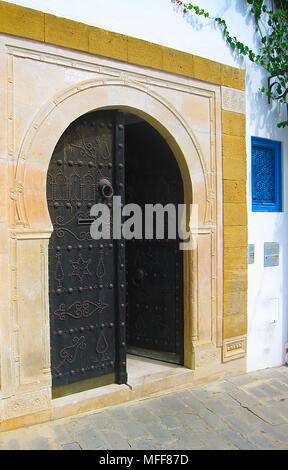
282 124
196 10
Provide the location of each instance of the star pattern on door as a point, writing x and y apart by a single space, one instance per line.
80 268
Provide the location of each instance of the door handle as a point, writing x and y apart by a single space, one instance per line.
106 188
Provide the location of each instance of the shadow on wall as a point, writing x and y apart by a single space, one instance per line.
220 9
256 76
198 22
268 327
284 290
280 235
263 117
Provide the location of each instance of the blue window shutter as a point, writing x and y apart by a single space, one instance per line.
266 175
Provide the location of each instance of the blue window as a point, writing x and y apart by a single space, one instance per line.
266 175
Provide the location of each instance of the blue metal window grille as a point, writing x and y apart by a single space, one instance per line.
266 175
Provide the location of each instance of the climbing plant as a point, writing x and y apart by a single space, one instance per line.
271 24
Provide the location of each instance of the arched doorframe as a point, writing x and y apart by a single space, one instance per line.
31 214
54 118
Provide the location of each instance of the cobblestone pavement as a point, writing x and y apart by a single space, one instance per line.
246 412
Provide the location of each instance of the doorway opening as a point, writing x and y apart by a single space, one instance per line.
154 266
113 297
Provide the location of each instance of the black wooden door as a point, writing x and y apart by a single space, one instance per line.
86 276
154 267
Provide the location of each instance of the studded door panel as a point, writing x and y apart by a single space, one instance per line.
86 275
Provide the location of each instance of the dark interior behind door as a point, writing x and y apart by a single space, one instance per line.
154 267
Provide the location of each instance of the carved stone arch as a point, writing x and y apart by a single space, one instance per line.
55 117
203 271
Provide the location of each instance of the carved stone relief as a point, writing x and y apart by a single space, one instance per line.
161 99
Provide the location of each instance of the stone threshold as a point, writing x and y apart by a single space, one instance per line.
146 377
